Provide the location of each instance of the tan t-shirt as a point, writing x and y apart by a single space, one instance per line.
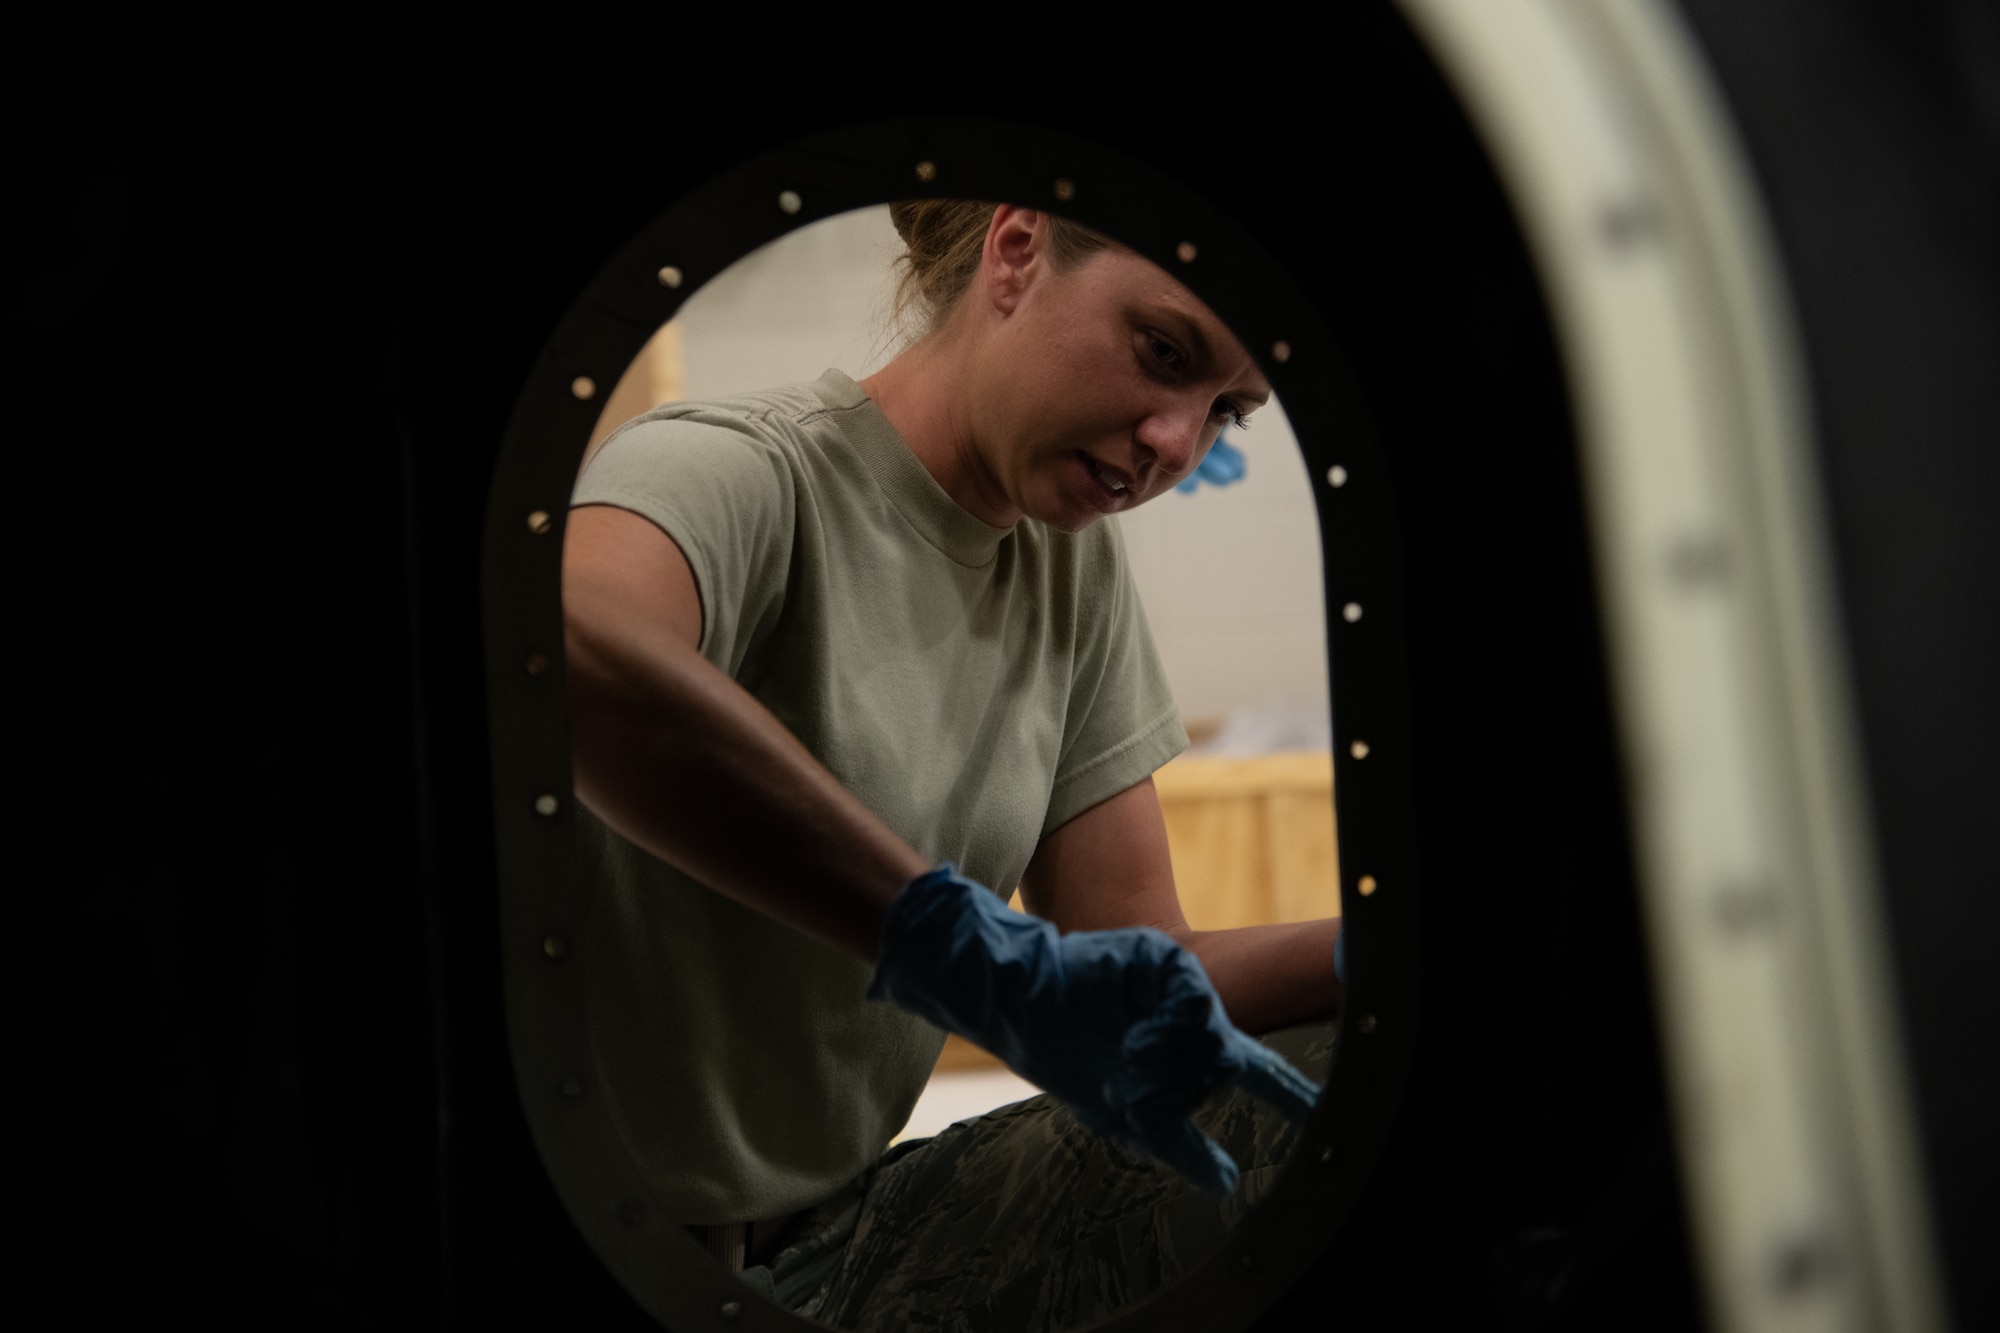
974 686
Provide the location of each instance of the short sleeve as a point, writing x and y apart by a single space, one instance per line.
728 498
1121 723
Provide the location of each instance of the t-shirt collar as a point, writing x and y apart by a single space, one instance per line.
941 520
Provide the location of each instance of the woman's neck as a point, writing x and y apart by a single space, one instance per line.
923 393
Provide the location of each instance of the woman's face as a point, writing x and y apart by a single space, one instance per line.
1102 386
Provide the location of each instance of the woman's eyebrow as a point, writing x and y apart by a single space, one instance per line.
1203 351
1191 332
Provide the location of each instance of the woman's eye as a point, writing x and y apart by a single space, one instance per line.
1229 411
1166 353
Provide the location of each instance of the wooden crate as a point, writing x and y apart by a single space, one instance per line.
1253 839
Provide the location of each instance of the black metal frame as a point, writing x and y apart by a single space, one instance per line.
543 902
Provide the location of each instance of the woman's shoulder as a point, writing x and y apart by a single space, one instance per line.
767 432
765 417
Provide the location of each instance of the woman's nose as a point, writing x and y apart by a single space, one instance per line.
1174 439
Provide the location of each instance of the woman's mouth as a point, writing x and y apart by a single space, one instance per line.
1110 486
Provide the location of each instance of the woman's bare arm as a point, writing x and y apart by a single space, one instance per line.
1110 867
685 763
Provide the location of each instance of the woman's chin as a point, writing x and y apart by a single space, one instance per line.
1067 514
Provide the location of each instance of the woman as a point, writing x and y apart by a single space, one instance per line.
825 638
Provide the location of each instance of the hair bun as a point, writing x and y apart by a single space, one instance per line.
943 240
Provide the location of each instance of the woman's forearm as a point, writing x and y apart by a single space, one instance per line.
1270 977
1112 866
685 763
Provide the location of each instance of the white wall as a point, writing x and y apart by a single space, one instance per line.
1230 577
813 300
1231 582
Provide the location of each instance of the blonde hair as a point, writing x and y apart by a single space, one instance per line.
943 240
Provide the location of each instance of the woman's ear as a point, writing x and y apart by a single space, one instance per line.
1012 257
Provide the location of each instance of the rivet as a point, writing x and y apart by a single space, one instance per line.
572 1086
1185 251
790 202
926 170
1628 222
1744 909
584 387
1698 561
540 523
1359 749
730 1309
1065 188
670 276
538 664
1804 1261
1336 476
1351 612
545 805
1244 1263
1281 351
554 947
631 1212
1366 1023
1366 884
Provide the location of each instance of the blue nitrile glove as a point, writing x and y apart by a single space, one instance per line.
1223 464
1122 1025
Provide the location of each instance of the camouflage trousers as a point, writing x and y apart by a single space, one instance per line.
1022 1219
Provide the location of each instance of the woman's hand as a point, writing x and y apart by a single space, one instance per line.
1122 1025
